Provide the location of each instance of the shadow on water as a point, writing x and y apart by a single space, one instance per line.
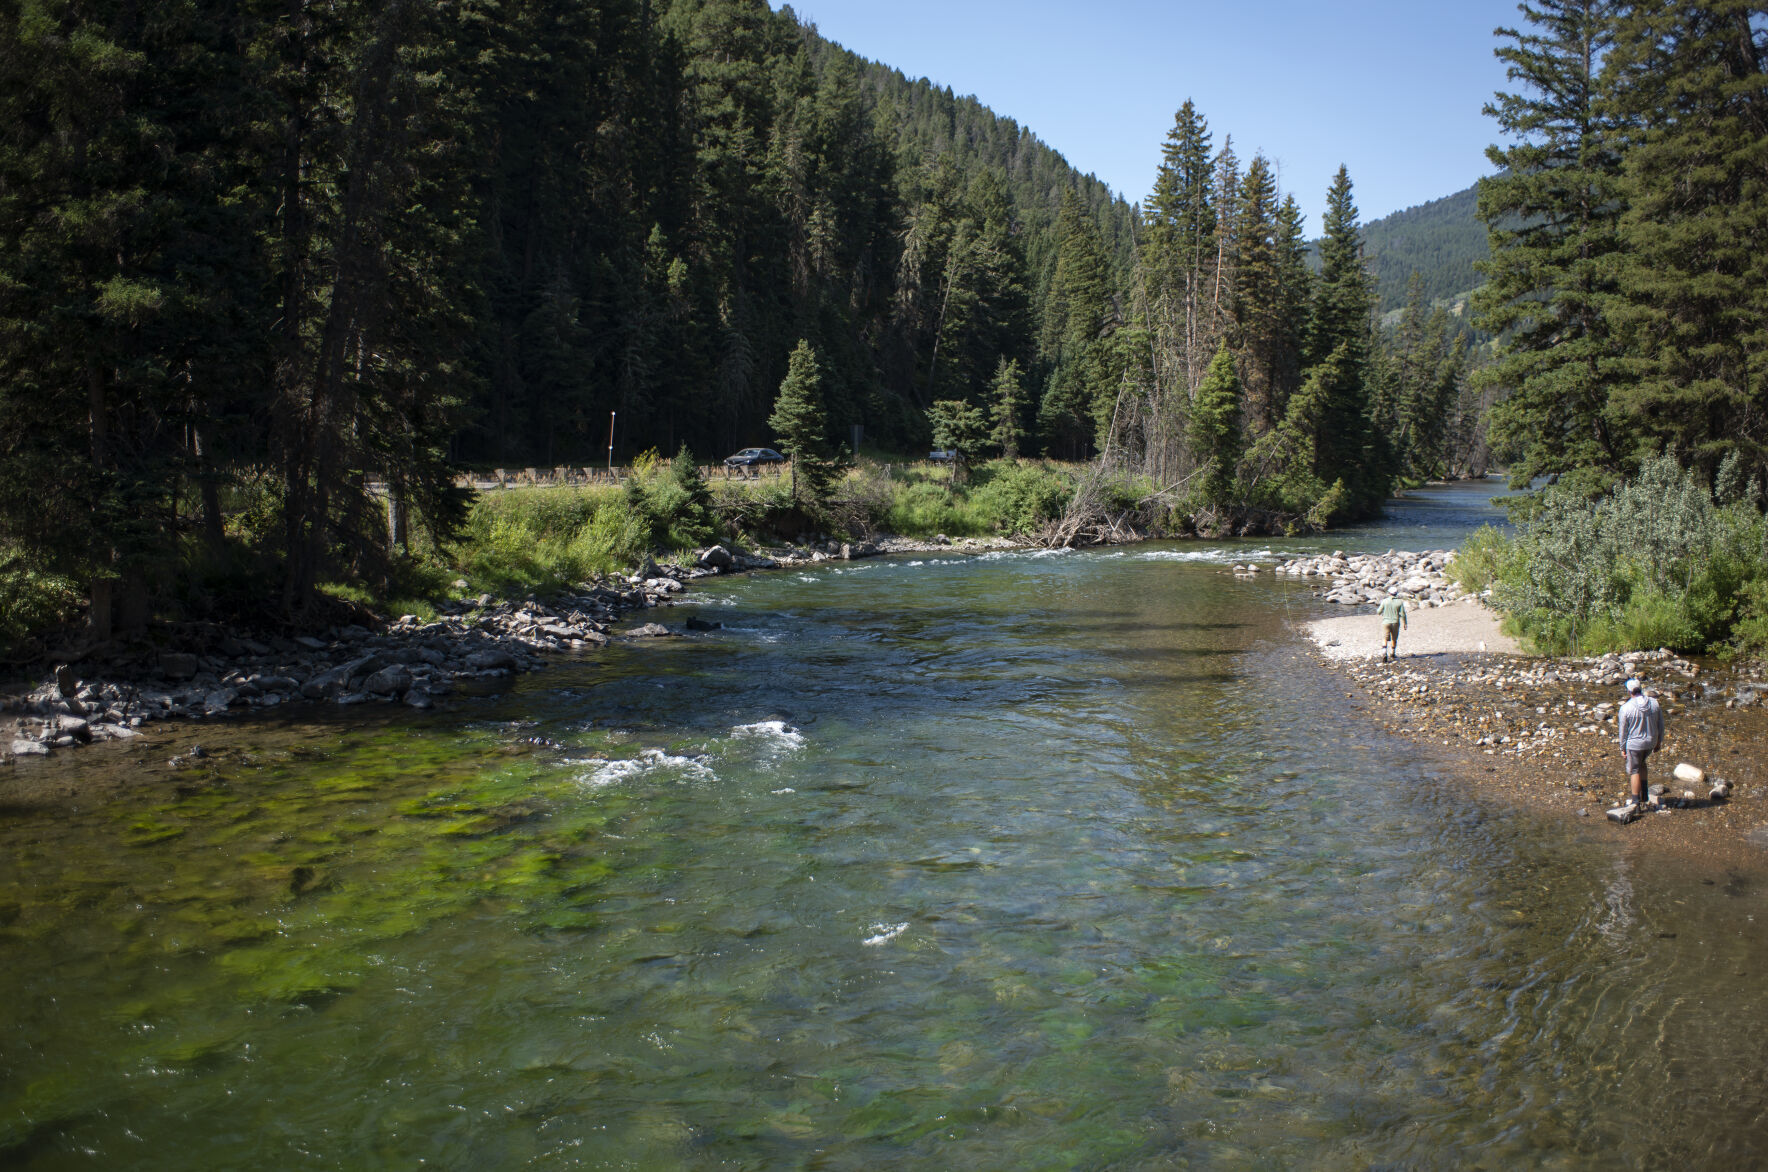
881 875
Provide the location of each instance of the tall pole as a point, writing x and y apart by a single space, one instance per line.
611 415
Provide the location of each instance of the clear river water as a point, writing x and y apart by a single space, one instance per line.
1026 860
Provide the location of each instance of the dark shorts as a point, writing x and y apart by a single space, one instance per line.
1636 761
1390 632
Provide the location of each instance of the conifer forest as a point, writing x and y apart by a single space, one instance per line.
267 267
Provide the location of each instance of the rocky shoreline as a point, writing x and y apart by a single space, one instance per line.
1542 731
202 671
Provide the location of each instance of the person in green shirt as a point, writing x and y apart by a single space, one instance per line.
1393 617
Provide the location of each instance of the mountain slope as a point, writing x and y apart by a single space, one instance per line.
1442 240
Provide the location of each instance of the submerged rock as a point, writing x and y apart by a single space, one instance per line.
393 680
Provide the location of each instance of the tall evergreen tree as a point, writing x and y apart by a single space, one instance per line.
1074 324
1009 409
1181 247
1294 295
1259 310
1551 215
1345 445
801 424
1689 83
1216 430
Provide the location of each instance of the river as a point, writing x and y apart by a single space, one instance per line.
1026 860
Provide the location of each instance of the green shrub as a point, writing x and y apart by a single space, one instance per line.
1654 563
673 502
1749 633
32 602
1014 498
1481 559
923 509
542 539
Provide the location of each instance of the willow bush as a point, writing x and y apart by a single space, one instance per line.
1660 561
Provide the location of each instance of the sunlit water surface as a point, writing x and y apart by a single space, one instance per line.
1017 861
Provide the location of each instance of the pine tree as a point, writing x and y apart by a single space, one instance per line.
1689 82
958 428
1294 295
122 361
1345 445
1009 409
1550 217
1216 433
1074 323
1181 247
1260 329
801 425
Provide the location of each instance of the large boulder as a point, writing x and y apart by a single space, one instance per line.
717 558
178 665
392 680
337 679
492 659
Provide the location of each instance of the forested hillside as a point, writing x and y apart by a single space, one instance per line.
1441 240
273 274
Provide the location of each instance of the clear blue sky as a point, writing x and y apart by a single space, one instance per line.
1390 88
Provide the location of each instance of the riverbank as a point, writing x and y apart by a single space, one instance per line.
1541 731
197 672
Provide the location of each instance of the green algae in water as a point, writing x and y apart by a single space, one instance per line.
292 974
673 975
148 831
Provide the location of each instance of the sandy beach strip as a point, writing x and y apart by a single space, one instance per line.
1461 628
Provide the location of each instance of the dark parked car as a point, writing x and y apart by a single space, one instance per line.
943 456
749 457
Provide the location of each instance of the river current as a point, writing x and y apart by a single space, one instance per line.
1025 860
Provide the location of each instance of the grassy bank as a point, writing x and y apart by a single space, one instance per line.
536 539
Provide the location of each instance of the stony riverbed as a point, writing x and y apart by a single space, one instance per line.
1542 731
197 671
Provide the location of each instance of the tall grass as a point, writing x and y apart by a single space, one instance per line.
1004 497
541 539
544 538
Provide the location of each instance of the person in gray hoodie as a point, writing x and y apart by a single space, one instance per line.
1640 727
